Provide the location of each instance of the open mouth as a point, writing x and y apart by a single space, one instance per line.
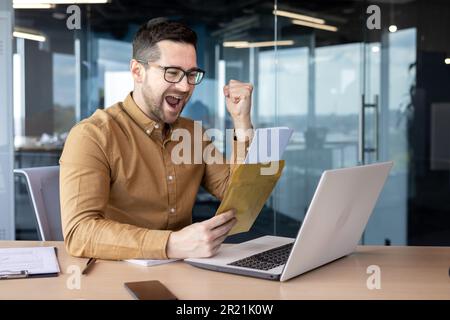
173 101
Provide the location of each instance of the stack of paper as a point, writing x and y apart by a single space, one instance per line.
253 181
268 144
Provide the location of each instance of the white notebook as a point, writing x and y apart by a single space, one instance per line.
28 262
268 144
149 263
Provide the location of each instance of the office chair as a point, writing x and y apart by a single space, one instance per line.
43 188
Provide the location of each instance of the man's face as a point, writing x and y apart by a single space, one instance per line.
164 100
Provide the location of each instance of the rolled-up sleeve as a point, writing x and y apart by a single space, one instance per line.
85 178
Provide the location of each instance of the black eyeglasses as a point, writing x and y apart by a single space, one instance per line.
175 74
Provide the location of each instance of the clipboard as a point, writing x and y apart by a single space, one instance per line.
248 191
32 262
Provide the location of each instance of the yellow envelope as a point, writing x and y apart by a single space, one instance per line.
249 188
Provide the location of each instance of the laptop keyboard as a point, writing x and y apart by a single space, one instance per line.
266 260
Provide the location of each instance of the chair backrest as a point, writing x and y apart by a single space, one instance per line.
43 187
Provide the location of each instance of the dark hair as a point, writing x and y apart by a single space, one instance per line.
156 30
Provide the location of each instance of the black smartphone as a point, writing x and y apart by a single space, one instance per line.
149 290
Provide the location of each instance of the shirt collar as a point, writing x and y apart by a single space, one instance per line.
147 124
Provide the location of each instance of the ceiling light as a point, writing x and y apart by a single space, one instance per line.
28 2
298 16
447 60
375 49
59 15
29 34
315 25
33 6
246 44
393 28
235 43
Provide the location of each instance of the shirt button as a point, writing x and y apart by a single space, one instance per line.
170 178
172 210
148 132
156 126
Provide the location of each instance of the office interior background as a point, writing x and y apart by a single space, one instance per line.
353 94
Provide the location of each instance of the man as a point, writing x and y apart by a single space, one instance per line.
122 196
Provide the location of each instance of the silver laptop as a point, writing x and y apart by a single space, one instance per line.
336 218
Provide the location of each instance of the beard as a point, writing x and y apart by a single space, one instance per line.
156 105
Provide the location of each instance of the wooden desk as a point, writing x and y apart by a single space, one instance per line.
406 273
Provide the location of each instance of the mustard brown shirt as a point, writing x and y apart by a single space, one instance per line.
121 193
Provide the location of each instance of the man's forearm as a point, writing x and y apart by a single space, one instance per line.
108 239
243 128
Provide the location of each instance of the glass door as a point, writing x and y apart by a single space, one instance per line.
319 83
346 90
389 81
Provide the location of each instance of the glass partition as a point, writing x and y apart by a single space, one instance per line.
316 67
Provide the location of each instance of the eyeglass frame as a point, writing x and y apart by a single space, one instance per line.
185 73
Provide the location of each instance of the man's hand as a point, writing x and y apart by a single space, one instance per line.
202 239
238 100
